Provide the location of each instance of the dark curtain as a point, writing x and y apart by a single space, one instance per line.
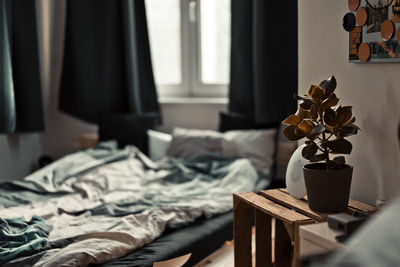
107 65
264 62
21 107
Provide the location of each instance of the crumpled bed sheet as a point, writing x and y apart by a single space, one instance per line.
122 201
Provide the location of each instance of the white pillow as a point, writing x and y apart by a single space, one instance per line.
256 145
158 144
188 143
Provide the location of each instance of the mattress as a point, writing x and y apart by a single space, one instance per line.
201 238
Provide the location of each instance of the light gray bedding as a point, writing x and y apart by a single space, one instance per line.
119 200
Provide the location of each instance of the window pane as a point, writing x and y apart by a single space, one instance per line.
164 23
215 28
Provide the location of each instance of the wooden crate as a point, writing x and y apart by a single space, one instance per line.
289 213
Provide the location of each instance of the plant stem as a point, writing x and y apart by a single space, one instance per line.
324 139
326 152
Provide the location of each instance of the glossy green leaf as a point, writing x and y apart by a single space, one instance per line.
316 92
346 131
344 115
331 101
290 134
303 114
314 112
309 151
306 104
292 120
305 127
329 85
317 130
318 157
340 160
299 132
340 146
353 126
330 117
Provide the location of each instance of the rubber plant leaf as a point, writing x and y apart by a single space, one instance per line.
292 120
306 104
340 146
290 134
316 92
331 101
329 85
317 130
314 112
318 157
344 115
346 131
305 127
303 114
309 151
330 117
340 160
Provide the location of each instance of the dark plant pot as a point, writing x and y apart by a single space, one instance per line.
327 190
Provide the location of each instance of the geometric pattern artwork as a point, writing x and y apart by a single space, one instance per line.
374 30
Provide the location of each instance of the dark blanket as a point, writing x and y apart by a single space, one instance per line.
19 237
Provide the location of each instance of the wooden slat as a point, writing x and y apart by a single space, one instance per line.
271 208
263 239
288 201
283 245
284 190
353 204
289 229
242 233
296 243
358 205
296 246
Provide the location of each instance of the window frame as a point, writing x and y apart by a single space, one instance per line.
191 84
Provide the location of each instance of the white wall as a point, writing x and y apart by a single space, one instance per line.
19 153
198 116
373 90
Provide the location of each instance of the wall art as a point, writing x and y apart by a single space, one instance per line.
374 30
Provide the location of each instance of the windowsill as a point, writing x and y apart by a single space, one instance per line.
194 100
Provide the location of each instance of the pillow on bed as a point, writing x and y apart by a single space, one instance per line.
187 143
158 143
256 145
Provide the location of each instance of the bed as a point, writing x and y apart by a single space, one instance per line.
94 187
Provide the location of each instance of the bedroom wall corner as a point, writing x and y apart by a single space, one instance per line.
372 89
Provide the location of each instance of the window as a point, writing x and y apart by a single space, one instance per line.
190 46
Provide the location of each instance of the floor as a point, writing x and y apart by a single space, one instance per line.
224 257
221 258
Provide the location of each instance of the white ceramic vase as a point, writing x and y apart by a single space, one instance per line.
294 174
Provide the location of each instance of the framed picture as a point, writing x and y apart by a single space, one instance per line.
374 30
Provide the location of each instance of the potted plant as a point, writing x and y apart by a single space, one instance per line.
325 125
